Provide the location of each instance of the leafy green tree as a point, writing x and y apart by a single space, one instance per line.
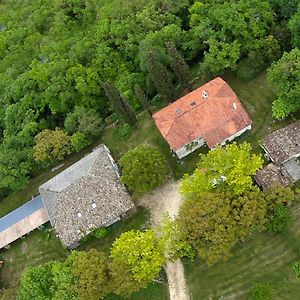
64 279
173 240
262 291
230 29
224 169
120 105
143 169
214 222
37 283
51 144
140 94
294 27
90 270
160 76
84 120
284 76
179 65
79 141
280 219
136 260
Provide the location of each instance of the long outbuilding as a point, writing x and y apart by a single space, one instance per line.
22 220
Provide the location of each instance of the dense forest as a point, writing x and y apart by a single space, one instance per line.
62 61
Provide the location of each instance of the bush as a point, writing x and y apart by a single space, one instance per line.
280 219
79 141
296 268
100 233
124 131
157 100
51 145
85 120
143 169
262 291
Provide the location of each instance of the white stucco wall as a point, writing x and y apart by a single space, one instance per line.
185 150
236 135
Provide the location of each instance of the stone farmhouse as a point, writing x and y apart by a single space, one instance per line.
282 147
85 196
211 114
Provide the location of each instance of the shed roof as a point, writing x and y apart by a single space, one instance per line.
22 220
272 175
85 196
212 111
283 144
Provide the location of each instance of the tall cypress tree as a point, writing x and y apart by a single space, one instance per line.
179 65
119 103
140 94
160 76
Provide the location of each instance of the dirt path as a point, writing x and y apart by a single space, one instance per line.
167 200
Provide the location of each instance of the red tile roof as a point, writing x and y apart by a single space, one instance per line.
215 119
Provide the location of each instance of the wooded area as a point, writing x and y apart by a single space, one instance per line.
57 56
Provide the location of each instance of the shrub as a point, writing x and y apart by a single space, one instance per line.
124 131
296 268
143 169
79 141
262 291
280 219
84 120
51 145
100 233
157 100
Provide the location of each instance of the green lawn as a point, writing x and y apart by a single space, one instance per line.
262 258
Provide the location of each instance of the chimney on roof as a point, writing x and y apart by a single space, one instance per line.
204 94
234 105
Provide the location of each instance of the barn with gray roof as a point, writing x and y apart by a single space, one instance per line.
86 196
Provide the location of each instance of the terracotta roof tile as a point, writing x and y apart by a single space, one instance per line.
215 118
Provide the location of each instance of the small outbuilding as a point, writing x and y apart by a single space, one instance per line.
272 175
211 114
86 196
284 144
282 147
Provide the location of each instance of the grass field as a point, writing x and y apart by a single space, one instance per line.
262 258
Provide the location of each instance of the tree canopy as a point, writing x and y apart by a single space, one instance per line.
143 169
284 75
54 57
223 169
213 222
136 259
